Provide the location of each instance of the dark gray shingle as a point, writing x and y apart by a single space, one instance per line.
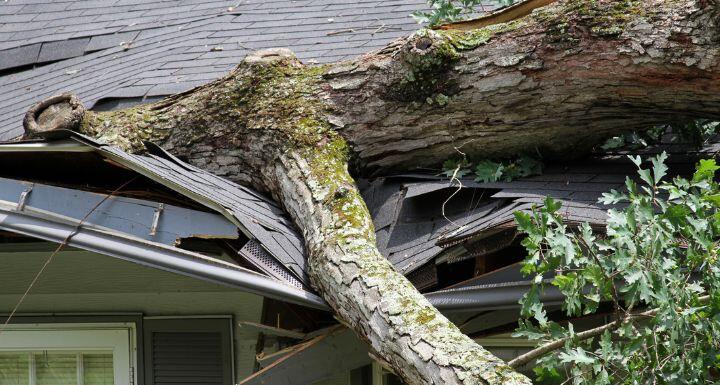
19 56
58 50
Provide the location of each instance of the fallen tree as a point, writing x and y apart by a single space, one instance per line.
555 82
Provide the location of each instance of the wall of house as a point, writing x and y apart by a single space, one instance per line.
338 379
82 282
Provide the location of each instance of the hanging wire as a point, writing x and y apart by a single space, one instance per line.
58 249
454 178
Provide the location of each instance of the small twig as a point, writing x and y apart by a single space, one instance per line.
380 28
332 33
57 250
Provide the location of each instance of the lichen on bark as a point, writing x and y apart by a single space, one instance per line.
365 290
425 62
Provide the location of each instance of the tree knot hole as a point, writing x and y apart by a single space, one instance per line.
424 43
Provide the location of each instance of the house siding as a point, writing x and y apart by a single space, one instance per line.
85 283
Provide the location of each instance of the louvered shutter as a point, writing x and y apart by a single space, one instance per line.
188 352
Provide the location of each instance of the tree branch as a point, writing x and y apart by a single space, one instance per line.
505 15
587 334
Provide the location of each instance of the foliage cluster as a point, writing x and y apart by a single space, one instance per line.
695 132
488 171
447 11
655 269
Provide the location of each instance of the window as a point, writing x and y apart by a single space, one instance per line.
66 355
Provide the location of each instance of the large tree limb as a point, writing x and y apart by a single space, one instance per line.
563 78
556 82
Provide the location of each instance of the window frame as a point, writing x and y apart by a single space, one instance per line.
120 338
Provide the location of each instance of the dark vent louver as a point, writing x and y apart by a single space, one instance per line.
187 358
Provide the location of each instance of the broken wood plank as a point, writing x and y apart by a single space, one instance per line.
503 16
339 350
273 331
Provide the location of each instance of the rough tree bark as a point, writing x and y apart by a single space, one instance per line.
556 82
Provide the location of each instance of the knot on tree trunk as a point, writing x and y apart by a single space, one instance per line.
271 56
426 59
58 112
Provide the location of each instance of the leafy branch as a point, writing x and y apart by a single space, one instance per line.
584 335
695 132
659 251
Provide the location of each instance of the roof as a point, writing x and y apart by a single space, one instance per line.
139 231
271 245
259 218
114 53
110 50
424 220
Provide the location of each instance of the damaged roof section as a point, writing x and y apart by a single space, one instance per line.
271 244
257 216
453 241
148 220
152 254
441 233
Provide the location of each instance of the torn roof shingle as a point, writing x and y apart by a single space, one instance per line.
421 217
256 216
259 217
108 49
63 20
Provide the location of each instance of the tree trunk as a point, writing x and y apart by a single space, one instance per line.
555 82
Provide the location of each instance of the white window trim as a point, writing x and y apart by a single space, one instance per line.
118 338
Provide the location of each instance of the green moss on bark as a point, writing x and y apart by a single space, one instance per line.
282 96
429 56
561 21
468 40
127 128
278 96
570 21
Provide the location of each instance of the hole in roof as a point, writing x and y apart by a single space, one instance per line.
86 171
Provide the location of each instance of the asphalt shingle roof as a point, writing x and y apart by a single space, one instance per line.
107 49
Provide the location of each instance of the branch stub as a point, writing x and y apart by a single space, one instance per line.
59 112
